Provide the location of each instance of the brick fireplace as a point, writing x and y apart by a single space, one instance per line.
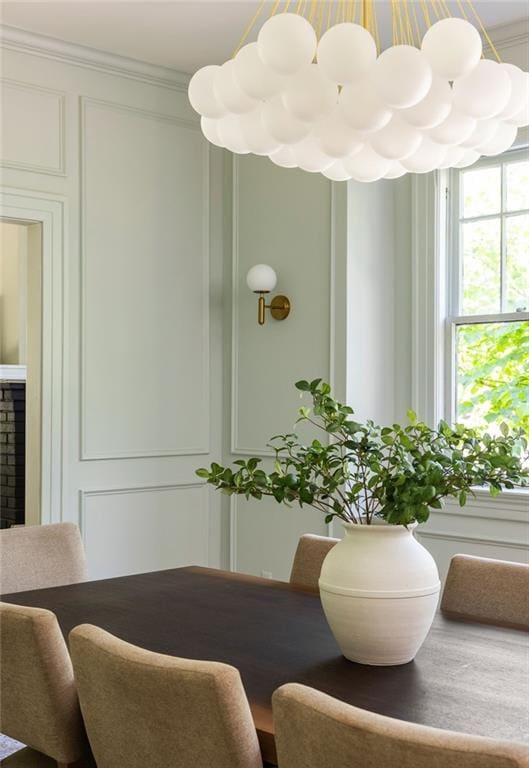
12 453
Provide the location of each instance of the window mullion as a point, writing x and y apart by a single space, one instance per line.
503 243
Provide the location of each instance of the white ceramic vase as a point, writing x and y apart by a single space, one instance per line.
379 589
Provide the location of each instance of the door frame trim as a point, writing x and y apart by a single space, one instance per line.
50 211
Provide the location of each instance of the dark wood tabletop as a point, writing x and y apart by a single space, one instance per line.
466 677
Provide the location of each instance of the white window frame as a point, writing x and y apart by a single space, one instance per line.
454 269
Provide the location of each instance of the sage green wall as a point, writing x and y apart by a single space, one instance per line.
379 299
342 254
287 219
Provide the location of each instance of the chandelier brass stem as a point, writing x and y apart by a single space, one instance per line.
407 28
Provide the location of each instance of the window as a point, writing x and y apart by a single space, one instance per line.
488 286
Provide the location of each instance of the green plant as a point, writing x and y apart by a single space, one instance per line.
363 471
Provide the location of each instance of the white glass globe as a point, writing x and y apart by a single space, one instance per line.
309 156
501 141
309 94
453 47
261 279
483 132
253 76
427 158
228 91
202 95
257 138
483 93
210 130
395 171
519 96
362 108
229 130
454 129
402 76
287 43
453 156
337 172
284 158
433 109
398 139
335 137
281 124
346 52
367 165
468 158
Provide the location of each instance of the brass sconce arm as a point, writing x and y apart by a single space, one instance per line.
279 308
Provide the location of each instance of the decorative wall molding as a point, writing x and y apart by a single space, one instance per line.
234 421
428 290
85 493
91 493
47 47
233 533
509 35
337 330
60 97
483 541
194 450
32 207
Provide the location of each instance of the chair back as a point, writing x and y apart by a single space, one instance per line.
314 730
147 709
308 560
38 702
490 591
40 556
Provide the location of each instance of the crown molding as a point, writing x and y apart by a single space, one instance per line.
16 39
508 35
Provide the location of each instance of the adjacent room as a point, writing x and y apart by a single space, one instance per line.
264 384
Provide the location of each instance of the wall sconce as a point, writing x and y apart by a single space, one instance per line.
262 279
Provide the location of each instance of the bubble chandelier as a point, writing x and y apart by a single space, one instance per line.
316 92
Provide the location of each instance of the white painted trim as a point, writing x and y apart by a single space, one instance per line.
13 372
511 34
428 287
461 537
47 47
233 533
198 450
50 211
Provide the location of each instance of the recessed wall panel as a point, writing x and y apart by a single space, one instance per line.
28 143
144 289
137 530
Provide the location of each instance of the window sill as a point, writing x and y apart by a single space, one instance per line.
507 506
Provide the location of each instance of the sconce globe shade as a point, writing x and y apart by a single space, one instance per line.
261 279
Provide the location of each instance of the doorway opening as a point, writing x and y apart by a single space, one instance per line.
20 372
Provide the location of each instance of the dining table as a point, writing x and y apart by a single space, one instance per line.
466 677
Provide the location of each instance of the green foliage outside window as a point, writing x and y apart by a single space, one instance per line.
492 359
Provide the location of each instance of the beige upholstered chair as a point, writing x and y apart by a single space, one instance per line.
40 556
314 730
147 709
309 557
490 591
38 702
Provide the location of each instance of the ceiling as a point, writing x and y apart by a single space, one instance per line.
182 34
